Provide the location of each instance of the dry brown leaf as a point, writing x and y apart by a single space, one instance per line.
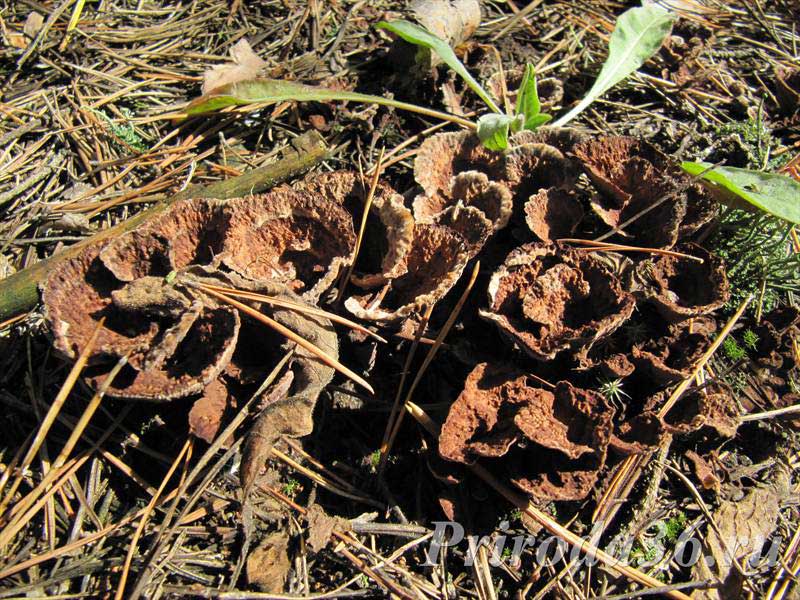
454 21
33 24
268 565
246 65
321 525
704 471
745 526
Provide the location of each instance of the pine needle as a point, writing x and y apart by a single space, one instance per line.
291 335
295 306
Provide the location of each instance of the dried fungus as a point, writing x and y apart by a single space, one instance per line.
390 225
639 186
553 213
300 239
548 299
178 340
443 156
501 412
681 288
437 258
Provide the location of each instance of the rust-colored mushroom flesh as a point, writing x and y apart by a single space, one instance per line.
473 191
444 155
637 184
389 228
196 361
437 258
531 167
553 213
189 232
548 299
76 295
500 412
293 237
682 288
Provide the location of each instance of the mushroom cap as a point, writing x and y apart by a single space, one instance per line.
548 299
444 155
389 220
500 407
294 237
553 213
437 258
681 288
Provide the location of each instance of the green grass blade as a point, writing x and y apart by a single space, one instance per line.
271 91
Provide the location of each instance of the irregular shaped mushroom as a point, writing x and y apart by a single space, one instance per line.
177 339
445 155
500 412
548 299
471 189
553 213
681 288
640 185
531 167
437 258
390 226
297 238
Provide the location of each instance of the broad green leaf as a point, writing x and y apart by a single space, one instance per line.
534 123
419 36
778 195
493 130
271 91
528 97
637 36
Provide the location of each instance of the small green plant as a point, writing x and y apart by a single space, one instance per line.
613 392
375 459
124 132
674 527
750 339
759 258
291 487
732 349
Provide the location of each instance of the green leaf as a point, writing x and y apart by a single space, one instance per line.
528 96
778 195
493 130
271 91
534 123
419 36
637 36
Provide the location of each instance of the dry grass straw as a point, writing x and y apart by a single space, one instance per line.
451 319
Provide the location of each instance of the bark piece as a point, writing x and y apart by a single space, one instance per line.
500 409
549 299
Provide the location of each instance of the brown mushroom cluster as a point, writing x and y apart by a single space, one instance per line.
567 312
